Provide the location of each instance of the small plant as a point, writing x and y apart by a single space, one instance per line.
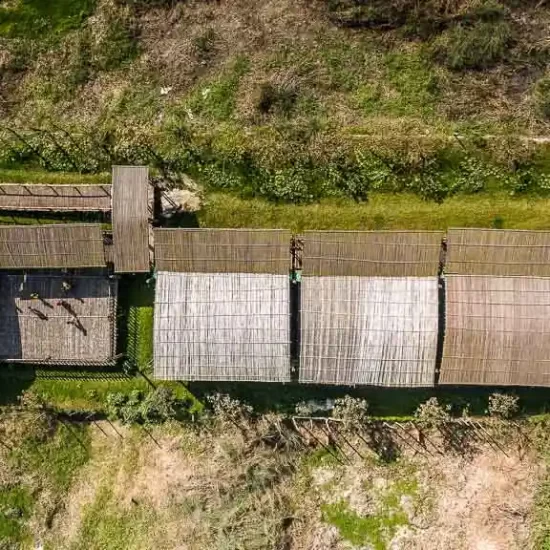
503 405
477 46
431 414
542 97
157 406
303 408
229 410
351 410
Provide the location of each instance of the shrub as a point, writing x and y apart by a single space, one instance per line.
351 410
156 406
229 410
503 405
478 46
431 414
542 97
277 98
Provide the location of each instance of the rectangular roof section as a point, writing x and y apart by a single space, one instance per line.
498 252
58 198
131 219
371 253
223 250
51 246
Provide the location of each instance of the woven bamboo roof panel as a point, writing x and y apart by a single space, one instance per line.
371 253
51 246
40 322
57 198
231 327
369 330
131 207
497 331
223 250
498 252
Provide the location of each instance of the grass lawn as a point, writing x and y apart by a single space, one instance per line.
382 211
53 178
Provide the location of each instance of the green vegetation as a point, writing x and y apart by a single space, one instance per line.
400 211
44 461
386 97
376 529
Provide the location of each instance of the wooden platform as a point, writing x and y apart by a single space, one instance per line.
55 198
40 322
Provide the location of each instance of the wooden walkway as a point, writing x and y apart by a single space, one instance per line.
55 198
132 204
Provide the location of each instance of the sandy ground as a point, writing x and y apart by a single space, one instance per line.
482 502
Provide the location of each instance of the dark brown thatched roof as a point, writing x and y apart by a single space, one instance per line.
371 253
57 198
497 331
498 252
223 250
51 246
131 204
42 322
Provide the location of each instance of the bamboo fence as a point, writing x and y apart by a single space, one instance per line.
498 252
131 210
223 250
40 322
51 246
233 327
497 331
56 198
369 330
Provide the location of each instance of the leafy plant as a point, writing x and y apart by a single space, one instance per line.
431 414
136 407
478 46
351 410
229 410
503 405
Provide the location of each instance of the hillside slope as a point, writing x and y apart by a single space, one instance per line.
287 99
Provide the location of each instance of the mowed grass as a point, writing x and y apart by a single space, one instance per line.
53 178
382 211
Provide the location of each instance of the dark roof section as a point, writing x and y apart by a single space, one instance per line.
497 331
51 246
371 253
131 234
223 250
498 252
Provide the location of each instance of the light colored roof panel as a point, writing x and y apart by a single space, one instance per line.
369 330
223 326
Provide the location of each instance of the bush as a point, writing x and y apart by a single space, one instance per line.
431 414
542 97
479 46
157 406
503 405
229 410
351 410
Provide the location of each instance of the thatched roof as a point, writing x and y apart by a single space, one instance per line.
497 331
51 246
131 212
498 252
375 331
41 322
371 253
223 250
57 198
232 327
